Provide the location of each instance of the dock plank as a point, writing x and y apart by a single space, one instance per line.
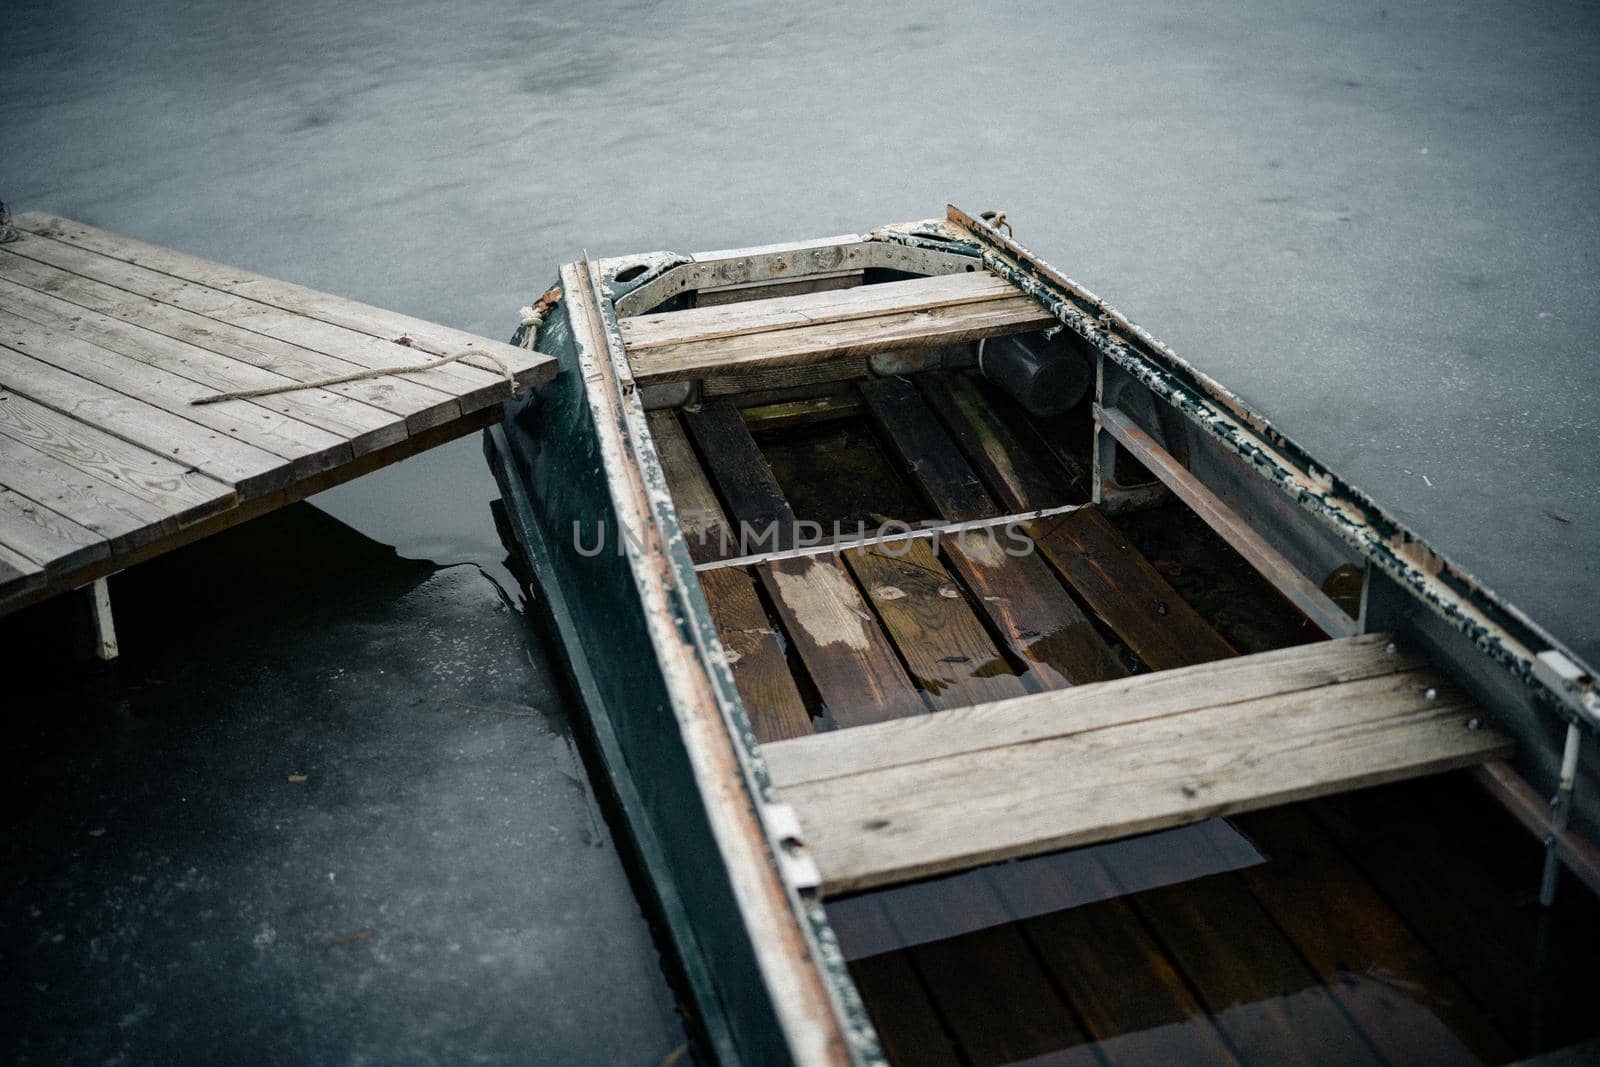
849 659
529 368
51 540
177 493
121 518
364 427
164 378
787 312
250 470
1128 770
760 671
1017 590
246 330
835 341
105 346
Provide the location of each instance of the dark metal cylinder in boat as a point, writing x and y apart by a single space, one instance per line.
1047 377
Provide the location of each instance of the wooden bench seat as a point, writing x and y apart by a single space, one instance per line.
826 326
911 798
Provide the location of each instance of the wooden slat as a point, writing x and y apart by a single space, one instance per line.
1113 780
243 329
1115 580
790 413
164 373
363 427
1016 589
19 575
1269 1005
1041 716
841 340
850 661
1125 989
179 494
530 368
743 477
927 451
993 993
760 671
121 518
53 541
700 515
248 469
1343 927
787 312
1008 468
951 656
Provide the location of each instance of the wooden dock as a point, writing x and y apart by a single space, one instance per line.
105 344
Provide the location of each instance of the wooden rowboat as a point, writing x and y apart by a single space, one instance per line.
858 593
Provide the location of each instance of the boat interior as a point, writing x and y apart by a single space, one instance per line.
1094 765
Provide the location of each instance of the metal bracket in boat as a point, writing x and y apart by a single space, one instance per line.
795 862
1575 686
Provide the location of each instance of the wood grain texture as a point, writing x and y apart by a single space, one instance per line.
1265 1000
530 367
363 427
828 342
700 514
53 541
1008 469
849 660
766 687
1125 989
950 655
172 491
787 312
1342 927
1022 598
1137 698
1121 586
206 447
234 326
1132 773
106 342
760 670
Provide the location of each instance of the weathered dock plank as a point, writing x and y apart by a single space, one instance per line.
107 344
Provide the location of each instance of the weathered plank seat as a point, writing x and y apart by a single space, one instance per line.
826 326
910 798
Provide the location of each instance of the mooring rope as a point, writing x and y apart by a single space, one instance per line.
358 376
533 315
532 318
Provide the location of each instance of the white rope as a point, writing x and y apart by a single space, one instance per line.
358 376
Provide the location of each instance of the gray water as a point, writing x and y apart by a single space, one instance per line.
1376 222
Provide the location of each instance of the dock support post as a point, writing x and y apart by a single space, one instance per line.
1560 813
104 630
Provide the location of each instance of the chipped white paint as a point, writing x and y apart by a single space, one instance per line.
823 602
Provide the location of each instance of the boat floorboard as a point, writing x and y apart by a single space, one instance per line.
105 344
